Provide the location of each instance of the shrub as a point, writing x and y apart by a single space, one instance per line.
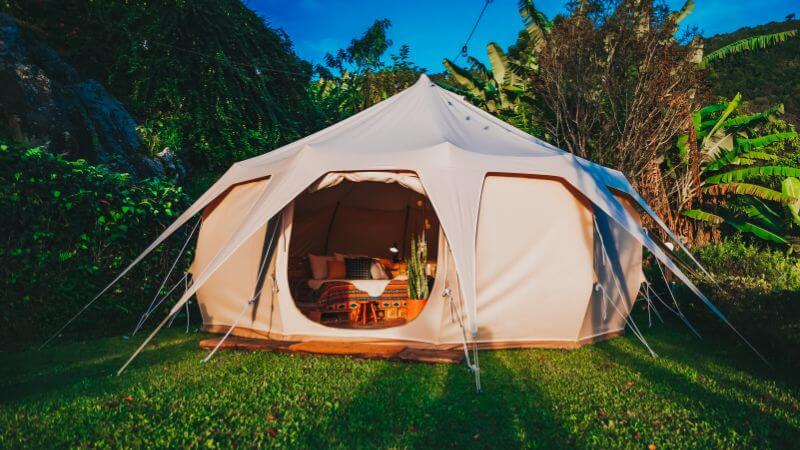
68 228
758 289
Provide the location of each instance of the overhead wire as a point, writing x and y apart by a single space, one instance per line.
463 50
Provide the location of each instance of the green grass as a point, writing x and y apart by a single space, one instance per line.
707 394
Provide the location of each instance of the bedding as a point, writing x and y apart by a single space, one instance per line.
336 269
319 265
330 292
358 268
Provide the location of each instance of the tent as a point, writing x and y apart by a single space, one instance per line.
536 247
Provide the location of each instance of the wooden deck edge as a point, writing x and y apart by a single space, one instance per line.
249 333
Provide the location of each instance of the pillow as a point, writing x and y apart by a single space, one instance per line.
319 266
336 270
358 268
342 256
377 272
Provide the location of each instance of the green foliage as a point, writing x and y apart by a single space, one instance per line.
69 228
768 76
697 394
357 77
742 176
746 266
207 76
758 288
417 260
748 44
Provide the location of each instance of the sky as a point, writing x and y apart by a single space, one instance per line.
436 29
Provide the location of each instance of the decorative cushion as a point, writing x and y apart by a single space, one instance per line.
336 270
358 268
342 256
319 266
377 272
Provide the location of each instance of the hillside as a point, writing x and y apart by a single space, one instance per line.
765 77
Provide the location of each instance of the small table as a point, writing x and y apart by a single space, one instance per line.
366 307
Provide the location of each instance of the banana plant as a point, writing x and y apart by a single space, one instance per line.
503 86
747 45
740 181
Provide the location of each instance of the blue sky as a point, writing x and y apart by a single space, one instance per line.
436 29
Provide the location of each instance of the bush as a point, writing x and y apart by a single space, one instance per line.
68 228
758 289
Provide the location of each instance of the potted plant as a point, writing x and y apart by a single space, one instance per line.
417 278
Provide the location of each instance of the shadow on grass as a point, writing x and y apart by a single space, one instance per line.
436 406
58 367
723 402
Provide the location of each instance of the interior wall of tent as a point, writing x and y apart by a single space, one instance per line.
537 260
364 218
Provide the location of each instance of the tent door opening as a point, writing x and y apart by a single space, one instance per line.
363 250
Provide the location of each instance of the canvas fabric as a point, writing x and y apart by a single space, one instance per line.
453 148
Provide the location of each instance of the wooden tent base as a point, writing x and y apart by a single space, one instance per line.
363 350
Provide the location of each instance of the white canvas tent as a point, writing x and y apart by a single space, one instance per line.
536 245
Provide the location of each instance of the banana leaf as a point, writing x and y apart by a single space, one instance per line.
761 156
768 139
753 172
683 148
729 109
790 187
747 189
499 64
464 78
748 44
762 233
761 212
751 119
704 216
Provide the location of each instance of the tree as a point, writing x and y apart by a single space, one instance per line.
357 77
728 171
208 77
616 86
504 88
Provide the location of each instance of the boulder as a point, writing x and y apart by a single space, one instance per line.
45 102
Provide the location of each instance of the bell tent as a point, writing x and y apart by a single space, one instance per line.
532 246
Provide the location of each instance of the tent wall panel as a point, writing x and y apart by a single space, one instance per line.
224 294
534 260
624 253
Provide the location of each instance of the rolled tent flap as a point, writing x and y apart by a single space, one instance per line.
457 204
406 179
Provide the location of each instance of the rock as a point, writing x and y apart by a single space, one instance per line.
45 102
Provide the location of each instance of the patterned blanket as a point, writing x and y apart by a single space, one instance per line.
343 291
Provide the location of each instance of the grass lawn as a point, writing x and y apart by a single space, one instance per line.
608 395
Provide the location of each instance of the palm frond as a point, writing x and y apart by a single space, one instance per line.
761 141
687 9
751 119
748 44
760 232
747 189
703 216
754 172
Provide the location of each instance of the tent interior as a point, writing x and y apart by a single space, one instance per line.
350 240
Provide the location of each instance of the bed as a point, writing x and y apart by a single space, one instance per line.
339 300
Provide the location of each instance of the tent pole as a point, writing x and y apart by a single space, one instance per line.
330 227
